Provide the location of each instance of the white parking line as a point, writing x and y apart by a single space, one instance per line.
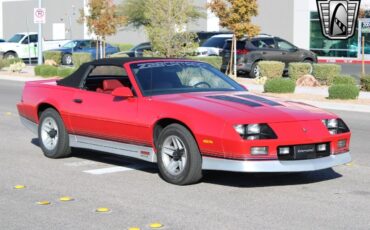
111 170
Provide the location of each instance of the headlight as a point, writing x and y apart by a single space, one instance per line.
255 131
335 126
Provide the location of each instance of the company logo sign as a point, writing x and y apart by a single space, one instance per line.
338 17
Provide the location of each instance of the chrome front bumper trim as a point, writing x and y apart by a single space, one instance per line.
210 163
30 125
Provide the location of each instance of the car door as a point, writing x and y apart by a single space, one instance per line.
30 46
266 48
102 116
289 53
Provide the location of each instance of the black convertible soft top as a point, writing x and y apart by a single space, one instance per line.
75 79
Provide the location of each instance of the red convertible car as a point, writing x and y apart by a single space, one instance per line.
184 115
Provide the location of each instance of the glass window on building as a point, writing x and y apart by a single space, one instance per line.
330 48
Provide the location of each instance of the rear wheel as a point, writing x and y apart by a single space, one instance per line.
255 70
53 137
67 59
179 159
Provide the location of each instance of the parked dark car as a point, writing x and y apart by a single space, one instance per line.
264 47
82 46
138 50
2 40
205 35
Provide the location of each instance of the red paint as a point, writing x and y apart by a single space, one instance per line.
133 120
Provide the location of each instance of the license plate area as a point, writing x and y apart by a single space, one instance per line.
304 152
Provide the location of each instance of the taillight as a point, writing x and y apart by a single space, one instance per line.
243 51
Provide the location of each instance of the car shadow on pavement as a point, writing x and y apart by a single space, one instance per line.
235 179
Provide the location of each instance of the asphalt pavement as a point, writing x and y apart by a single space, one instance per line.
136 196
354 69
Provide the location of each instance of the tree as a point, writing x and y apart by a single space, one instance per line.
236 15
102 19
165 24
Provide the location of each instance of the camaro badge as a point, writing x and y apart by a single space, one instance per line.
304 130
338 17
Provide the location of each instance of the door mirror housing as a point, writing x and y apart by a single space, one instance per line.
122 92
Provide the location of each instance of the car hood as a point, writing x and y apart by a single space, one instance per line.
5 45
244 107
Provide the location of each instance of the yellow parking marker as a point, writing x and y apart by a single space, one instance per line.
102 210
156 225
66 198
43 202
19 187
349 164
134 228
8 113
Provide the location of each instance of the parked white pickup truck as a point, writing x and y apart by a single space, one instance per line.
24 45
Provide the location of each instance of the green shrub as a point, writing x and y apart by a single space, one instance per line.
343 91
325 72
365 83
53 55
344 79
46 71
271 69
123 46
214 61
65 71
299 69
279 85
80 58
7 62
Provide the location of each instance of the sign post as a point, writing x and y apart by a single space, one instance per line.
39 17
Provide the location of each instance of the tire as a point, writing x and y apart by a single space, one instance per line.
254 71
53 137
10 55
188 170
67 59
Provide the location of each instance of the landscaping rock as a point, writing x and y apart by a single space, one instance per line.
308 80
50 62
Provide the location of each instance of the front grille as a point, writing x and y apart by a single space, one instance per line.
304 152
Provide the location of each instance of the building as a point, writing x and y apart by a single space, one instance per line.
294 20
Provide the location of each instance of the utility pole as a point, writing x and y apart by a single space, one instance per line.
39 45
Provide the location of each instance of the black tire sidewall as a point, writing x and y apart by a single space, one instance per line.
193 155
251 73
62 147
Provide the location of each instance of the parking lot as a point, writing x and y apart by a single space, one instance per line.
136 196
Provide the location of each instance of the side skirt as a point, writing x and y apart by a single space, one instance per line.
129 150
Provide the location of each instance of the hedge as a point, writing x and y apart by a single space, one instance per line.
123 46
343 91
365 83
214 61
344 79
53 55
65 71
80 58
271 69
299 69
46 70
53 71
7 62
279 85
325 73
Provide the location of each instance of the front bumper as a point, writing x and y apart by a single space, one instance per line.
211 163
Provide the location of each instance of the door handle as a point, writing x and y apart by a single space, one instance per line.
77 100
264 52
284 53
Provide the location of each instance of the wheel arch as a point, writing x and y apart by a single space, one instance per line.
44 106
11 51
163 123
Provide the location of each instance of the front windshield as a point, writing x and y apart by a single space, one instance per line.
166 77
70 45
16 38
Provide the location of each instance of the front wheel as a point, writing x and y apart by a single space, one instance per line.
179 159
255 70
53 137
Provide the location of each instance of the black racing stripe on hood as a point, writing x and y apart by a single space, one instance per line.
236 100
260 99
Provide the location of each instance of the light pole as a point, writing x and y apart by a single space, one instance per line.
39 45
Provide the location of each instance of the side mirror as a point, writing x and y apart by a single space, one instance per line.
122 92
